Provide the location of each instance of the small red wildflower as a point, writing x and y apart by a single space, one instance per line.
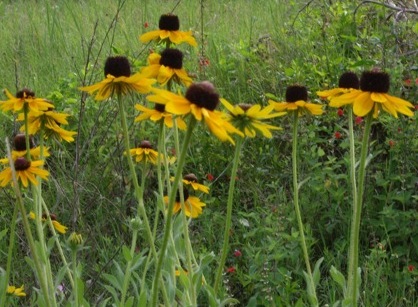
358 120
237 253
391 143
416 81
203 62
411 268
340 112
146 25
230 270
407 82
416 107
337 135
210 177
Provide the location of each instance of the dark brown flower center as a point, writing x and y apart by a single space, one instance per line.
159 107
190 177
21 164
117 66
25 93
172 58
185 194
245 106
375 81
296 92
51 215
19 142
169 22
203 94
349 80
145 144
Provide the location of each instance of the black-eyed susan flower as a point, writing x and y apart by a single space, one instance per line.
25 171
201 100
296 100
373 97
145 153
192 205
249 118
12 290
169 26
57 225
118 80
191 180
167 66
19 149
51 122
347 83
24 97
157 114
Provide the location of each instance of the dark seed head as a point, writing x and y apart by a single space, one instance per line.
25 93
169 22
375 81
296 92
145 144
245 106
190 177
21 164
185 194
349 80
51 215
172 58
159 107
19 142
117 66
203 94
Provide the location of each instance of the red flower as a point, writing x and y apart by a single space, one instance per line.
337 135
237 253
407 82
391 143
146 25
231 269
411 268
210 177
416 107
340 112
358 120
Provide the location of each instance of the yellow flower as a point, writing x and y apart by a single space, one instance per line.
191 180
249 118
192 205
296 97
201 99
51 122
57 225
347 83
119 80
145 153
25 171
169 25
157 114
167 66
24 97
16 291
373 97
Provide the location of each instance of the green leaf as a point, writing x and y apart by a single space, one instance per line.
3 233
129 302
338 277
142 298
126 253
316 272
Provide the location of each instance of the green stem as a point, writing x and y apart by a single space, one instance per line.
352 158
310 281
75 287
171 201
352 285
225 246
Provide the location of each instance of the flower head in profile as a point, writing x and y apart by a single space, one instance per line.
192 205
57 225
25 171
118 80
169 30
167 66
51 122
249 118
348 82
145 153
373 97
191 180
24 97
19 149
201 100
159 113
16 291
296 100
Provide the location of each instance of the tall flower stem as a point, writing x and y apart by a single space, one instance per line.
310 281
171 201
353 275
352 157
225 246
138 190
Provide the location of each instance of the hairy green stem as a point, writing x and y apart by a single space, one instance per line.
352 284
228 219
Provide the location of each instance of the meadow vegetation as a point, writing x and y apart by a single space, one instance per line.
250 52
